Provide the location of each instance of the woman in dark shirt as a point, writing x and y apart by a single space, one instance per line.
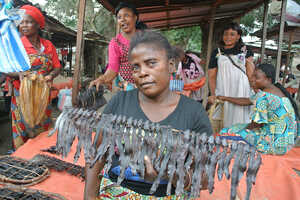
152 59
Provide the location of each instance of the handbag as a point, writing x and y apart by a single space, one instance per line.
216 116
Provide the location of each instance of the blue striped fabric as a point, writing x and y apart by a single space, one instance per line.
13 57
176 85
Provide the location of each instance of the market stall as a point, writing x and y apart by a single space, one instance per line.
69 186
276 178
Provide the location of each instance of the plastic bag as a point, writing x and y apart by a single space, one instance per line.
13 57
64 98
34 98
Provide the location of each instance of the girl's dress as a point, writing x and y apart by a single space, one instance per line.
42 62
279 129
232 81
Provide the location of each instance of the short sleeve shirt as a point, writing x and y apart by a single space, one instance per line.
213 63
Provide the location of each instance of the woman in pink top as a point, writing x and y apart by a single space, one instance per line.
127 18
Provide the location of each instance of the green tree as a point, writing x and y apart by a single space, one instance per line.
97 18
189 38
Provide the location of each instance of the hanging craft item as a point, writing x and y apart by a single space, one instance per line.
21 172
13 57
170 151
34 98
11 192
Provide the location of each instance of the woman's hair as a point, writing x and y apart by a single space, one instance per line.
234 26
152 38
270 72
139 24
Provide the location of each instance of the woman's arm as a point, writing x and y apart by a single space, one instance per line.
14 75
105 79
93 180
54 73
249 67
212 81
236 100
93 177
254 125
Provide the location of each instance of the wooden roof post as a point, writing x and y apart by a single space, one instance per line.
209 48
282 21
265 25
291 40
79 45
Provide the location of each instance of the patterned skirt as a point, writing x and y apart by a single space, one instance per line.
113 191
19 128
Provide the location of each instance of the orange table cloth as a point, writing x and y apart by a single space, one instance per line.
62 183
276 179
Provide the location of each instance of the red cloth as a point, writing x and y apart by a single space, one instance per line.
195 85
35 13
275 180
62 183
49 50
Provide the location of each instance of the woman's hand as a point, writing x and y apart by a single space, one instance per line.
222 98
212 99
150 173
49 78
99 81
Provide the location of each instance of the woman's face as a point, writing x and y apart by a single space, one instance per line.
151 69
230 38
126 20
28 26
259 80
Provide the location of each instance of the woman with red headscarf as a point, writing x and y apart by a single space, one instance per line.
44 60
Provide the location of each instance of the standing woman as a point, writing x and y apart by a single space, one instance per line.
44 60
229 69
127 19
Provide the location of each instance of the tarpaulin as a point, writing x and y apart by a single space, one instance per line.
62 183
276 179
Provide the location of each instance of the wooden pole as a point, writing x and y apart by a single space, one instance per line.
79 45
264 34
282 21
291 40
209 48
71 58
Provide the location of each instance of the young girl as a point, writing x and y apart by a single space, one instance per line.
229 69
152 59
273 127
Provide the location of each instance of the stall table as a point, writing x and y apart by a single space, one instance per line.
276 178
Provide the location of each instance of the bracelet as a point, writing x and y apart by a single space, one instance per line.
189 182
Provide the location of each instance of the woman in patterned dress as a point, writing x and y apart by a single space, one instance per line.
44 60
118 65
274 119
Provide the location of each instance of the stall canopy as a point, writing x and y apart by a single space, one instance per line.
175 13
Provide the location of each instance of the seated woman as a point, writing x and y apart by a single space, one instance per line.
273 128
151 57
